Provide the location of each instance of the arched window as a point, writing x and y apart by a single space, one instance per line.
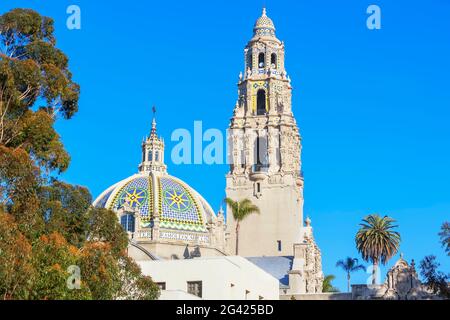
127 221
261 60
150 156
273 61
250 60
261 103
157 156
261 151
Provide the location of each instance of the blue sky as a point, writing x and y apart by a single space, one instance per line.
373 107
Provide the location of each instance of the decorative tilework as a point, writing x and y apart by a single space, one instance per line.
178 209
264 26
137 193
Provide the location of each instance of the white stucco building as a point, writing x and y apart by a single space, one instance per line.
213 278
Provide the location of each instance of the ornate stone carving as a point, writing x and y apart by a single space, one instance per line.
266 96
402 283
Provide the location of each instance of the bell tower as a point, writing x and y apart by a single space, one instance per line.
265 147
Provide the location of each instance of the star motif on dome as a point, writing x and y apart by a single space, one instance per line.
177 199
134 197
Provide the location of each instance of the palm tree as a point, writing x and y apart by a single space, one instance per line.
376 241
241 210
350 265
327 286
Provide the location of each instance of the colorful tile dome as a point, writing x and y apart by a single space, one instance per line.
178 206
155 207
264 26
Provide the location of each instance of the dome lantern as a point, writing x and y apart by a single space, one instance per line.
264 26
153 153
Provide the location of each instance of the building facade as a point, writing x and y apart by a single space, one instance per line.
212 278
265 147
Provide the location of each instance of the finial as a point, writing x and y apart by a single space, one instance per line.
264 11
308 221
153 132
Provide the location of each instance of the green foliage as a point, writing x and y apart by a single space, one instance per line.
241 210
41 141
64 208
436 280
27 44
47 226
104 227
32 69
134 285
327 285
19 182
350 265
100 270
52 256
16 268
444 236
376 241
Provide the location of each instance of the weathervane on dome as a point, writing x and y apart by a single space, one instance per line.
153 132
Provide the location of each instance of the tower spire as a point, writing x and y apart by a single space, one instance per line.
153 151
153 132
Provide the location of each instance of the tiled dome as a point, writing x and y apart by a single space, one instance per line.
178 206
264 26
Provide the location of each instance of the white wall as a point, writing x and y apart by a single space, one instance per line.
217 274
177 295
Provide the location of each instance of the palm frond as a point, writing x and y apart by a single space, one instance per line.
241 209
376 240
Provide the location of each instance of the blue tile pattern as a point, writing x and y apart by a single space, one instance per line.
137 193
178 208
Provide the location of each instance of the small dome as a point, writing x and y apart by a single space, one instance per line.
178 206
264 26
